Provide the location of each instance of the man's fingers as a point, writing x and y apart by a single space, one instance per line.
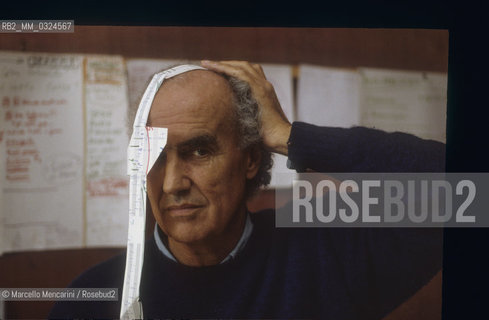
228 69
239 69
239 64
253 68
259 69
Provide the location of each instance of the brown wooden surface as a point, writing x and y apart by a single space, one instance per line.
404 49
44 269
409 49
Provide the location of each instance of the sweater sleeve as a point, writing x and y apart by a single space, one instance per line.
359 149
381 267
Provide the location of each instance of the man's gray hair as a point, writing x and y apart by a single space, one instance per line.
248 121
247 117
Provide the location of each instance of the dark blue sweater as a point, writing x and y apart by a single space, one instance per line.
322 273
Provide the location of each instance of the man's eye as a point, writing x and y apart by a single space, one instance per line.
200 152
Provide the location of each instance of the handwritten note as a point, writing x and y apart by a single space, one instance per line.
391 100
41 115
63 145
406 101
107 137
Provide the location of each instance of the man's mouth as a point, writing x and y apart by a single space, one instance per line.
183 209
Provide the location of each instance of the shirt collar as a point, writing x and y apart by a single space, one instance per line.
239 246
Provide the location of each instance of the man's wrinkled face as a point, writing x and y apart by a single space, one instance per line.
197 186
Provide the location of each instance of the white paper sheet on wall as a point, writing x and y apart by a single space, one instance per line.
42 114
281 78
107 190
391 100
406 101
328 96
63 151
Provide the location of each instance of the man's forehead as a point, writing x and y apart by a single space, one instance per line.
194 94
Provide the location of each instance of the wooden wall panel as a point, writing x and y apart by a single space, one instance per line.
409 49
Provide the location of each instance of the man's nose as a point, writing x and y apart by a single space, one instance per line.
175 179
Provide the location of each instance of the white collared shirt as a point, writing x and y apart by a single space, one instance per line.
239 246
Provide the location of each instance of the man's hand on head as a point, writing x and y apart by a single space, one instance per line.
275 126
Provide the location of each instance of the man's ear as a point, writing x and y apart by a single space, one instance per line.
253 162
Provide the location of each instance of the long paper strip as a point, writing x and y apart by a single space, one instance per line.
145 146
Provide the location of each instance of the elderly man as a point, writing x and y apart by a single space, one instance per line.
211 258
